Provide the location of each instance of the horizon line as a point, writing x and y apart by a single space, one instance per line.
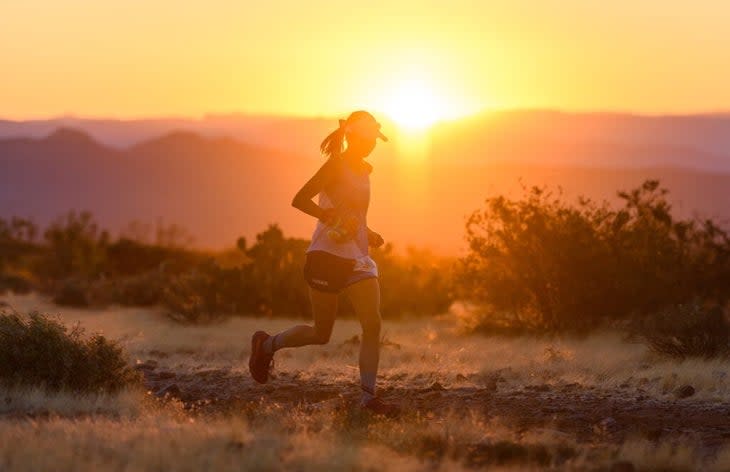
302 116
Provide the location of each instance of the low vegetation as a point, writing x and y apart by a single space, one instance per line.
80 265
472 403
537 264
688 330
40 352
541 264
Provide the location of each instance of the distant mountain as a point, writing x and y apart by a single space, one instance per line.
585 139
284 133
221 188
218 188
522 136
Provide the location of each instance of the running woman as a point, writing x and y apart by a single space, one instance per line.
337 259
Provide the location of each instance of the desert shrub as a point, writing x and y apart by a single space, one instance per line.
275 273
37 351
17 242
18 248
269 282
126 257
416 283
551 265
145 289
693 329
73 292
75 247
208 293
16 283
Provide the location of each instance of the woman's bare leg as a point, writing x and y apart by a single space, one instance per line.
365 298
324 311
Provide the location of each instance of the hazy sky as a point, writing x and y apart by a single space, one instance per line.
130 58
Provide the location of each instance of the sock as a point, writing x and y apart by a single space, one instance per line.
367 384
270 346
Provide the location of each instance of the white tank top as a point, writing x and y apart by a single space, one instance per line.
349 191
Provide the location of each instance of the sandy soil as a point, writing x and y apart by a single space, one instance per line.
586 413
593 392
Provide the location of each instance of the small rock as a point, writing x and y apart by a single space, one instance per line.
171 390
685 391
164 375
461 378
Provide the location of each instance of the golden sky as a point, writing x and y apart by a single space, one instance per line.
136 58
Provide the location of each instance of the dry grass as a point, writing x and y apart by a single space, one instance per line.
133 431
168 439
37 402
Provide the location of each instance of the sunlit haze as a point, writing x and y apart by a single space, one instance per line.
417 61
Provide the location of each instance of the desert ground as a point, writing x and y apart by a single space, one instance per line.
600 402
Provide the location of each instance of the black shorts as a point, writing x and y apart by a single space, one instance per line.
330 273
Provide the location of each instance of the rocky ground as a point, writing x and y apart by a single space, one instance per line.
596 395
584 413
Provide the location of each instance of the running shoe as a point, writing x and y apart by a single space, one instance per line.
259 364
378 407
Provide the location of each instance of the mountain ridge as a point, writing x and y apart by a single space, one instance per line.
221 188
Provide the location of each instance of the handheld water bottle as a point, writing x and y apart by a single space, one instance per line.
343 228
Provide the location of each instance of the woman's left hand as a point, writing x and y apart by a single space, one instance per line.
374 239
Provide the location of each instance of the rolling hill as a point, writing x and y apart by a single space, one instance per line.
221 188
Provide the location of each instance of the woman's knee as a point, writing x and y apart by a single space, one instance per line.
371 325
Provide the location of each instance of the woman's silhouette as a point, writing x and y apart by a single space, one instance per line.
337 259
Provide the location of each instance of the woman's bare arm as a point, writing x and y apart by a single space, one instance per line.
303 199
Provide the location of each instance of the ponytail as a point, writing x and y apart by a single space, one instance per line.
334 142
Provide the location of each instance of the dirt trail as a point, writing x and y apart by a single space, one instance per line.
586 414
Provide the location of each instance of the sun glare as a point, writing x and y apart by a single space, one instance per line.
415 105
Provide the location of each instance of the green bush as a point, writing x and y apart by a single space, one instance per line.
37 351
551 265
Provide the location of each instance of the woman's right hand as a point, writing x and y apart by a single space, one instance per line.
329 216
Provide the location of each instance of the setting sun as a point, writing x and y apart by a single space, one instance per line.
416 105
